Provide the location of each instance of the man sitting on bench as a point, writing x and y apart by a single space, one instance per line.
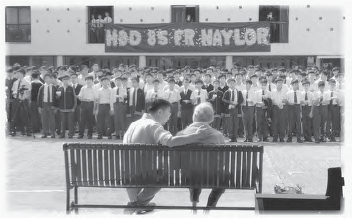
149 130
203 115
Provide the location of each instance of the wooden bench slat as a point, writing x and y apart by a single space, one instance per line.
90 167
112 166
127 165
144 166
138 166
166 171
148 165
154 165
206 165
238 169
232 169
106 167
100 168
244 168
84 167
176 168
78 166
213 162
73 167
249 160
118 165
133 164
227 170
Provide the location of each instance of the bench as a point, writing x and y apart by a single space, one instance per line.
146 165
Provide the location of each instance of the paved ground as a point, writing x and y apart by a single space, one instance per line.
36 182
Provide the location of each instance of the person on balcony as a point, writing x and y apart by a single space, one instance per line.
100 29
92 31
107 18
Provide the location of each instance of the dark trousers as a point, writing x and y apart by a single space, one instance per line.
9 117
67 119
307 123
214 195
279 123
186 117
87 118
248 117
332 124
58 121
262 126
172 123
48 118
320 116
34 116
119 118
100 34
216 122
103 114
232 122
77 115
20 115
294 119
241 128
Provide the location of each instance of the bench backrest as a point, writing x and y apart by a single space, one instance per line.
133 165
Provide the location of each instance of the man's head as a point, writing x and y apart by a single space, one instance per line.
222 78
171 84
207 78
231 83
135 82
335 71
89 81
65 80
305 84
254 79
95 67
295 85
263 83
160 109
104 82
279 82
118 81
332 84
203 113
20 73
74 78
156 83
321 86
238 77
84 70
186 83
248 84
324 75
47 78
216 84
199 84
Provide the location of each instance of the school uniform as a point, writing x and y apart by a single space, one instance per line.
106 98
279 114
199 96
320 115
248 106
33 108
47 102
223 89
87 96
333 117
9 99
307 124
57 116
294 113
217 106
119 111
20 107
186 108
174 98
208 87
232 112
77 87
136 104
67 103
262 125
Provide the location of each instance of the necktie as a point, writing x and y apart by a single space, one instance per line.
306 98
18 88
233 95
247 99
156 94
65 98
48 94
198 100
332 95
263 93
134 97
295 98
269 88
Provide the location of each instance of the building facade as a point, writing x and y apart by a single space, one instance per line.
53 36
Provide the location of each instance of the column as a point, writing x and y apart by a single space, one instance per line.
318 62
142 61
59 60
30 61
229 63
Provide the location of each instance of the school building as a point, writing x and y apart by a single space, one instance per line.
53 36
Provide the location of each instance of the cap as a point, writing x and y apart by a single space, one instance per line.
254 75
279 79
294 81
65 76
305 82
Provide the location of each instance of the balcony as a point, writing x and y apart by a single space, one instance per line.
18 33
96 33
278 32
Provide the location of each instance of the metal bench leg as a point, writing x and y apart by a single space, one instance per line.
76 199
68 208
194 205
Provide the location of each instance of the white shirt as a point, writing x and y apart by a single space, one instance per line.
240 87
277 97
88 94
190 87
148 87
172 96
131 96
334 94
162 85
107 20
151 94
259 96
176 87
122 93
24 83
309 96
251 97
272 87
291 97
45 93
325 94
202 93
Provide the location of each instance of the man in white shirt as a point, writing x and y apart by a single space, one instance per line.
262 100
321 100
248 105
294 100
271 86
149 83
333 112
83 75
278 97
107 18
160 77
119 108
95 69
307 124
173 96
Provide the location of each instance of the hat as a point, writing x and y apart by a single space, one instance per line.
171 80
305 82
104 78
279 79
65 76
294 81
336 69
254 75
156 80
332 81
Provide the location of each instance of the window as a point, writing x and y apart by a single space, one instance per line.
278 16
44 61
97 17
18 24
184 14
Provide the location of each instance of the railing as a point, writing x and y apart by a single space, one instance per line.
276 29
18 32
96 33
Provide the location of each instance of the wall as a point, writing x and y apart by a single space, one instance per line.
69 36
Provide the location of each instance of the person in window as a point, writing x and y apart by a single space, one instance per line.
273 27
107 18
92 31
189 18
100 29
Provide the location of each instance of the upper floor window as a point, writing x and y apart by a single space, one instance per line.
184 14
278 17
18 24
97 17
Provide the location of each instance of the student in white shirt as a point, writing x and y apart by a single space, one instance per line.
333 112
262 96
278 97
173 96
307 124
294 100
107 18
248 110
199 95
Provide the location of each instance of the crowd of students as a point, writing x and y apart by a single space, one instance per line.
247 101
